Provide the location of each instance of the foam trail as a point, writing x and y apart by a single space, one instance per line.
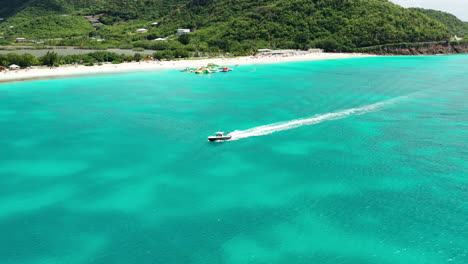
281 126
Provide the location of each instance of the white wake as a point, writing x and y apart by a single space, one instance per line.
286 125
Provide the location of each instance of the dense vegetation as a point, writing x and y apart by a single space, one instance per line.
455 25
8 8
89 59
238 27
329 24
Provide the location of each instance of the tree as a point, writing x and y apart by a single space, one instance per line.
184 39
27 60
137 57
329 45
50 59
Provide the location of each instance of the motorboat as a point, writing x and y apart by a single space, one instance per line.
220 136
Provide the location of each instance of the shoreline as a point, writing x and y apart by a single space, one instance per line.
41 73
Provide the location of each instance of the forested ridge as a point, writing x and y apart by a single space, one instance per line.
236 26
455 25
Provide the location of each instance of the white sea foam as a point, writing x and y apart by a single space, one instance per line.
286 125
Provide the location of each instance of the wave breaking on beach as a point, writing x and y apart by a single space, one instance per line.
287 125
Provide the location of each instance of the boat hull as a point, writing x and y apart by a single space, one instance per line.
219 138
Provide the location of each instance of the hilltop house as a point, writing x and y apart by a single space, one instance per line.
154 24
142 30
21 40
183 31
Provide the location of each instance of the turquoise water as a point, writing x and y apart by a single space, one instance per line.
350 161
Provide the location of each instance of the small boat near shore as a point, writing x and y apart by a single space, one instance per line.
219 136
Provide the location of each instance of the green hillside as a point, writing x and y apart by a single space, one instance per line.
455 25
223 25
43 19
46 19
8 8
340 24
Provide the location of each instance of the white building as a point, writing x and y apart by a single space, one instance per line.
21 40
142 30
160 39
14 67
154 24
183 31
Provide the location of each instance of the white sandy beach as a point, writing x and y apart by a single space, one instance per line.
64 71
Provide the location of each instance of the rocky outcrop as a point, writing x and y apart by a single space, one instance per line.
426 49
